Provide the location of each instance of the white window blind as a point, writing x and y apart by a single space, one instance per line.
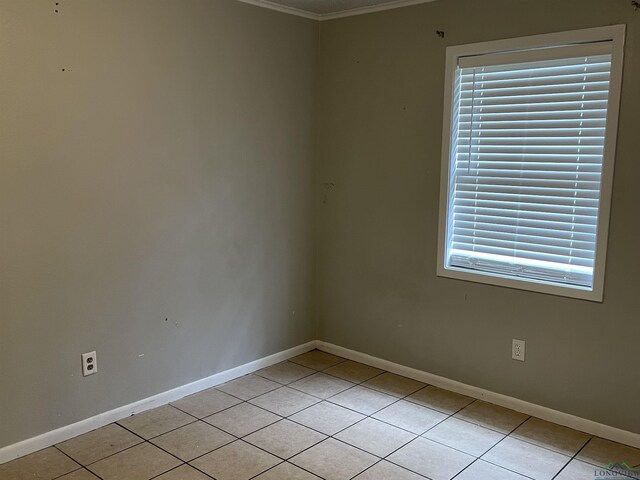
527 149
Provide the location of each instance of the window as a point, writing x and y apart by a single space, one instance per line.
528 150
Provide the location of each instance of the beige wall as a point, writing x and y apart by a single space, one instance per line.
168 172
381 80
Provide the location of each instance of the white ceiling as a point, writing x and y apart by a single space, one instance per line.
320 9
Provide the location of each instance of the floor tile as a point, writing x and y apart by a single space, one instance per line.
242 419
192 440
285 372
81 474
321 385
464 436
183 472
363 400
285 438
492 416
248 386
327 418
286 471
439 399
388 471
156 421
141 462
236 461
334 460
317 359
410 416
550 435
446 447
393 384
431 459
98 444
601 452
284 401
42 465
353 371
206 403
375 437
578 470
526 459
481 470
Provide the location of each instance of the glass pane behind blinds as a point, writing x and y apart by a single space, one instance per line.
528 144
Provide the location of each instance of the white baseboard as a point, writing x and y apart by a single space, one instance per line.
53 437
561 418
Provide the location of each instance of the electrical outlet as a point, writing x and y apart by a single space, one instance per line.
517 350
89 363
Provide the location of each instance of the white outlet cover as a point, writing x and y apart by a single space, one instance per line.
518 349
89 363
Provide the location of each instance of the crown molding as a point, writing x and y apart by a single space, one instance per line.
331 16
371 9
282 8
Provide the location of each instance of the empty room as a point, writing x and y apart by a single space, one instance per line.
319 239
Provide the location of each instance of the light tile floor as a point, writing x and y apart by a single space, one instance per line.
318 416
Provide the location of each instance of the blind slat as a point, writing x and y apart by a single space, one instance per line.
478 232
527 165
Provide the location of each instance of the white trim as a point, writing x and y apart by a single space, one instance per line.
535 55
545 413
611 33
371 9
53 437
333 15
282 8
572 37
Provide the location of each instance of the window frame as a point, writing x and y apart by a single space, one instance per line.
614 34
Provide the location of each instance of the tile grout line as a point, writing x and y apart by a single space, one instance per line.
370 416
476 458
327 399
479 458
574 456
196 419
149 440
406 398
421 435
366 416
82 467
179 466
355 384
86 467
182 462
508 435
236 438
449 415
69 457
280 418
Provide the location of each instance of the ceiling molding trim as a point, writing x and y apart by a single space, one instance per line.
371 9
282 8
331 16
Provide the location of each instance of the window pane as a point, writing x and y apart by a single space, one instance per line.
526 165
